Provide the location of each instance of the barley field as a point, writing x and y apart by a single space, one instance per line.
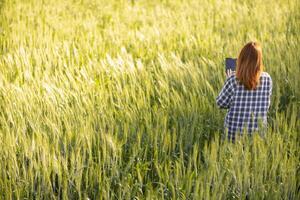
115 99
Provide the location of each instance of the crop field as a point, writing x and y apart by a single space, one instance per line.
115 99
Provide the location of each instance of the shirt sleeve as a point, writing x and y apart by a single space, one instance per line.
225 96
270 92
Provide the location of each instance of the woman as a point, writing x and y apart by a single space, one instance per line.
246 94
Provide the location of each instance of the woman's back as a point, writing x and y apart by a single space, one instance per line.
246 107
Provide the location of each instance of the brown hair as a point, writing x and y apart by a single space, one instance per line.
249 65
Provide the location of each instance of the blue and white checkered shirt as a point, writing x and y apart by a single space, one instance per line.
245 107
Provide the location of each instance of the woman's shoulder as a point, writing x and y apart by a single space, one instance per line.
232 80
266 75
265 78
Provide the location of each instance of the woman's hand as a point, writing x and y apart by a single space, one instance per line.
229 73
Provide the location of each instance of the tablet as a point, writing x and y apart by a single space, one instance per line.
230 63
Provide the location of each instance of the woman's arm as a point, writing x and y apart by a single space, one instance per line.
225 96
270 87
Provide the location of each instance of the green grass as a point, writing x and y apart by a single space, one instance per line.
116 100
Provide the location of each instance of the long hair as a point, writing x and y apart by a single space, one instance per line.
249 65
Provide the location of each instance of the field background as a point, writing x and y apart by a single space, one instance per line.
116 99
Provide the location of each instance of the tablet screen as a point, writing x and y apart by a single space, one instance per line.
230 63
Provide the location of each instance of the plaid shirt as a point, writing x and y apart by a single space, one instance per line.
246 107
